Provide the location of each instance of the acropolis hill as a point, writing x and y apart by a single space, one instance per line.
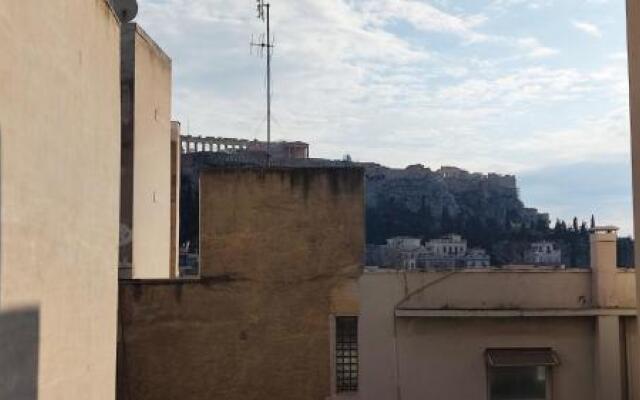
423 201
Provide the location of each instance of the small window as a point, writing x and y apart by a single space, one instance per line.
518 374
346 355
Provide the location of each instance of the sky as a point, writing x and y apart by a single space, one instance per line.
535 88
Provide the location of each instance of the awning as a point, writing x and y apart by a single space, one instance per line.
522 357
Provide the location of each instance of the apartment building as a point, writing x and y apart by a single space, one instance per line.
69 119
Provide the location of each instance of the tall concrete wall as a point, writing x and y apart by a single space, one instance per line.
146 162
633 43
59 183
281 251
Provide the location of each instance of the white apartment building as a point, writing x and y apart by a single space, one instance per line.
543 253
449 251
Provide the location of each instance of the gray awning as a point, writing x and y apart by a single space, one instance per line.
522 357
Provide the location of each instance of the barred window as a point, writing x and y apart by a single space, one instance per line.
346 354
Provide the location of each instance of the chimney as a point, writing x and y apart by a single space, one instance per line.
602 241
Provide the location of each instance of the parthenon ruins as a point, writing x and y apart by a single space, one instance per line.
282 149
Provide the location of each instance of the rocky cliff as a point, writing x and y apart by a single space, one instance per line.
422 202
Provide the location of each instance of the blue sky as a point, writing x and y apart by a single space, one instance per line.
537 88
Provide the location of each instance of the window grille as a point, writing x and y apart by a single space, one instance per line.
346 355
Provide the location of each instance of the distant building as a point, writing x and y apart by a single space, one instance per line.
448 245
404 243
543 253
402 252
449 251
477 258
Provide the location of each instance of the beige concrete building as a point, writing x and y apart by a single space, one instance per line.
59 185
85 103
148 203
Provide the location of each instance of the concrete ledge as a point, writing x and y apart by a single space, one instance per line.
485 270
494 313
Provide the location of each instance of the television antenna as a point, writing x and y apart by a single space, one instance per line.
265 44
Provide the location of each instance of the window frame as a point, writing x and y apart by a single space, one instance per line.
548 368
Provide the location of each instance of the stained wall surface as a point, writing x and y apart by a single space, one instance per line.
280 248
59 185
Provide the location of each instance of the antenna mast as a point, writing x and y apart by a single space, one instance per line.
263 14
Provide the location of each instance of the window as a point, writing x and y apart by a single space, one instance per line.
346 356
520 374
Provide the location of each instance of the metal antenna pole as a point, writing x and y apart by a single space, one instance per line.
268 46
268 87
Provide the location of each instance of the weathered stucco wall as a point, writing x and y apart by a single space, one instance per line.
502 289
444 358
425 356
497 289
59 183
147 157
281 250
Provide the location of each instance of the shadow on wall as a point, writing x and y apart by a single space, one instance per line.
19 339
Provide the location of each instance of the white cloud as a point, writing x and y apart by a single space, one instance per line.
588 28
348 83
348 78
423 16
531 4
534 48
